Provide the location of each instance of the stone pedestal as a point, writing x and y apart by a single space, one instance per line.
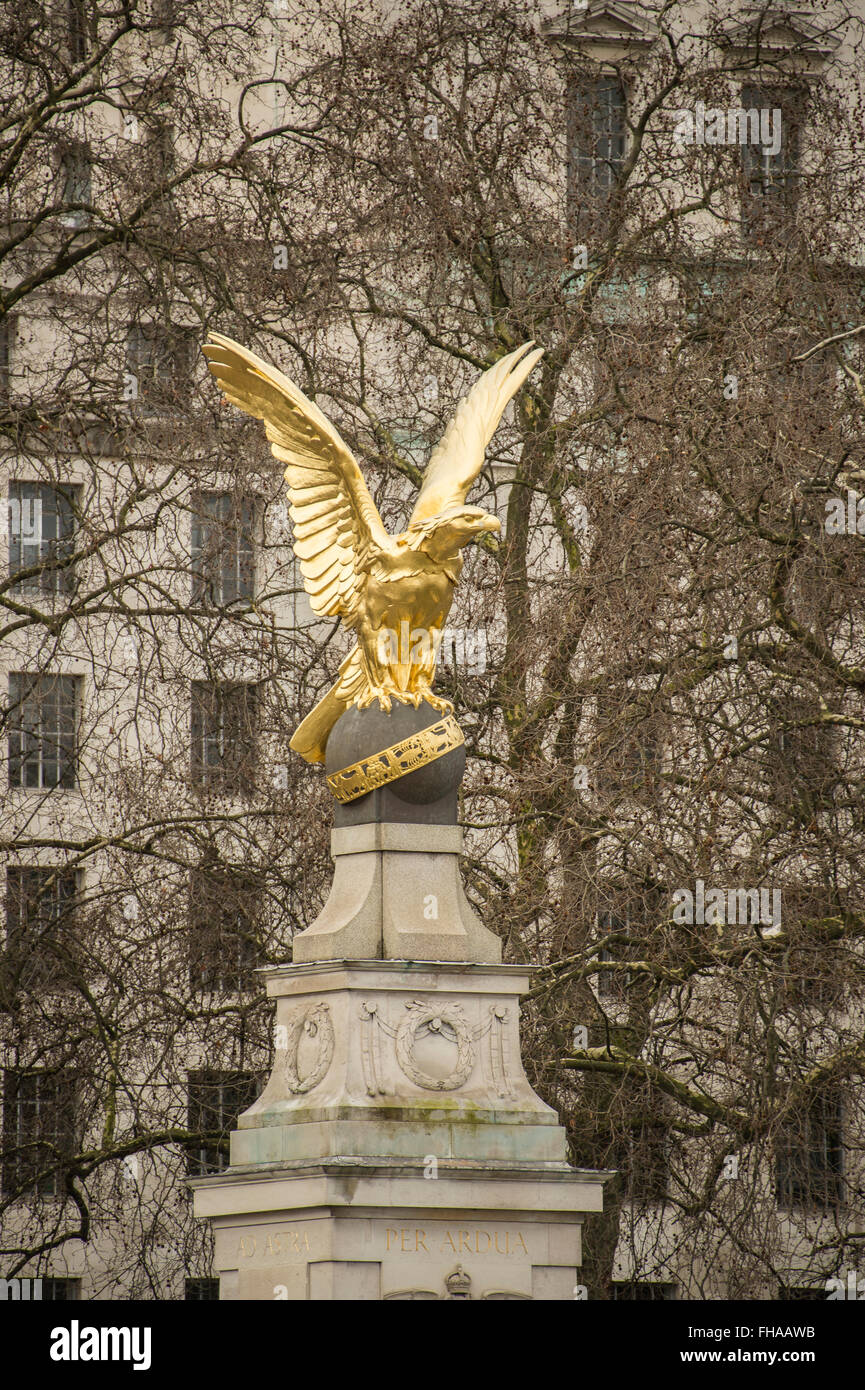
373 1230
397 894
398 1150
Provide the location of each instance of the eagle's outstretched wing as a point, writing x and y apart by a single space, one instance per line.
336 523
459 456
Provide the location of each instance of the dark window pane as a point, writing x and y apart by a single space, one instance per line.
628 744
223 730
222 548
41 946
41 532
7 339
640 1292
158 366
809 1156
223 942
597 120
643 1155
200 1290
61 1290
801 756
215 1100
80 28
42 732
38 1130
614 984
770 168
76 194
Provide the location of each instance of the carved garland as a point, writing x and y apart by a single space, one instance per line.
316 1023
420 1015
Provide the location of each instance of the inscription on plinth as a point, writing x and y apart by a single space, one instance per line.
277 1244
409 1240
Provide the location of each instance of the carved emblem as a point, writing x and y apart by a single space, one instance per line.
425 1021
422 748
310 1032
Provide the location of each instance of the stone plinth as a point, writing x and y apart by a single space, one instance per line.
378 1229
398 1058
397 894
397 1139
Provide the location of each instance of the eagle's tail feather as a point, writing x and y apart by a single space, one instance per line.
310 737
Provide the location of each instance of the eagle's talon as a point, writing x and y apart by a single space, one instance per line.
374 692
438 703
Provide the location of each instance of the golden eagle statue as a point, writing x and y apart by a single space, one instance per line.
385 588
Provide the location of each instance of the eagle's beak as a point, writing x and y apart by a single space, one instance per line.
489 523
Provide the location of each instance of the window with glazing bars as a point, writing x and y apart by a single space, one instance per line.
597 143
215 1099
42 521
224 735
40 925
809 1155
223 944
223 551
42 730
38 1130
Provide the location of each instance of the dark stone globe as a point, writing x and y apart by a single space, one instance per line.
426 796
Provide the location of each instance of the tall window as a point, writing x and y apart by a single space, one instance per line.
770 170
223 555
215 1099
645 1151
159 147
77 186
802 765
41 532
597 141
7 341
42 730
628 743
38 1130
224 735
40 926
79 21
809 1155
614 984
223 943
158 367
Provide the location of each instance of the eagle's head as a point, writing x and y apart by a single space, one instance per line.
445 535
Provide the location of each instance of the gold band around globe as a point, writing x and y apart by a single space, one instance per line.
394 762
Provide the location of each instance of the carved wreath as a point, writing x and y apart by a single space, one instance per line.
315 1023
434 1019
